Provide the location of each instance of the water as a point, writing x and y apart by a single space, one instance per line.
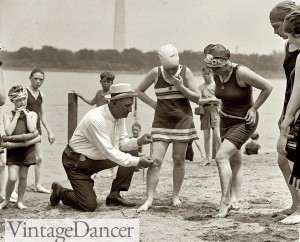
57 85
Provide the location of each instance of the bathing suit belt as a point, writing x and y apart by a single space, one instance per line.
231 116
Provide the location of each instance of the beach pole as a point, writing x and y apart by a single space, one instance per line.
199 148
214 148
135 109
72 113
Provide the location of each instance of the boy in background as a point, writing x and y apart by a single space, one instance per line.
35 103
106 80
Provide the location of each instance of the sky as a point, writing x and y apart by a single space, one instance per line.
240 25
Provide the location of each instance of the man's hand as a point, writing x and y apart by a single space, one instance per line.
145 139
145 162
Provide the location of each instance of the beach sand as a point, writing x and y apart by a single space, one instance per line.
263 193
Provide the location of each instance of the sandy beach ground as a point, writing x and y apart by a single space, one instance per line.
263 193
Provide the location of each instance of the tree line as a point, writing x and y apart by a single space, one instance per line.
130 60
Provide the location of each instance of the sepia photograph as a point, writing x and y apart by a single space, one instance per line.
161 120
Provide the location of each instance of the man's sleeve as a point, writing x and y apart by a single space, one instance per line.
126 143
99 136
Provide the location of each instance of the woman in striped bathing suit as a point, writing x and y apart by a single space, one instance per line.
173 119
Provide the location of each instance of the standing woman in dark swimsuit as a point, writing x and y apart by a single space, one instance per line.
239 118
290 126
277 15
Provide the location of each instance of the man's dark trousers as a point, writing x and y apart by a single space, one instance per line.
79 170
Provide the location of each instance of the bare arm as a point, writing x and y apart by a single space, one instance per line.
51 137
203 101
2 89
90 102
31 118
251 78
294 102
148 80
10 122
190 92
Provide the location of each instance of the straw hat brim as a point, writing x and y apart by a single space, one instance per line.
122 95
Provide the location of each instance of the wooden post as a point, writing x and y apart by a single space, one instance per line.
72 114
135 107
214 148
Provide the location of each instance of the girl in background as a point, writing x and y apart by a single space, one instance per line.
18 123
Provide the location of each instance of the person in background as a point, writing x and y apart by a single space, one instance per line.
136 129
97 144
285 162
174 86
106 80
253 146
2 152
210 118
239 118
20 122
35 103
289 140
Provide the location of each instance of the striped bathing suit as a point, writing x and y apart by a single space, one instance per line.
173 118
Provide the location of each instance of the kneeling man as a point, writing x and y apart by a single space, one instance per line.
96 145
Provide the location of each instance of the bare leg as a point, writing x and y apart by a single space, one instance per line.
294 211
179 150
207 147
237 178
216 141
227 149
14 195
285 167
13 173
22 186
2 175
37 168
294 218
158 151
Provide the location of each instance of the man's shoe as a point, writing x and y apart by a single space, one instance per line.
118 201
55 198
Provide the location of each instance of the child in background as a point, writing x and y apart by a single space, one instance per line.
253 146
19 121
136 130
210 118
35 103
106 80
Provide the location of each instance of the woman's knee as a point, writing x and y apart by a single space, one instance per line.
157 162
12 179
178 160
283 163
39 159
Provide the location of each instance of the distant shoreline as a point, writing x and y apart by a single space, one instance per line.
266 74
